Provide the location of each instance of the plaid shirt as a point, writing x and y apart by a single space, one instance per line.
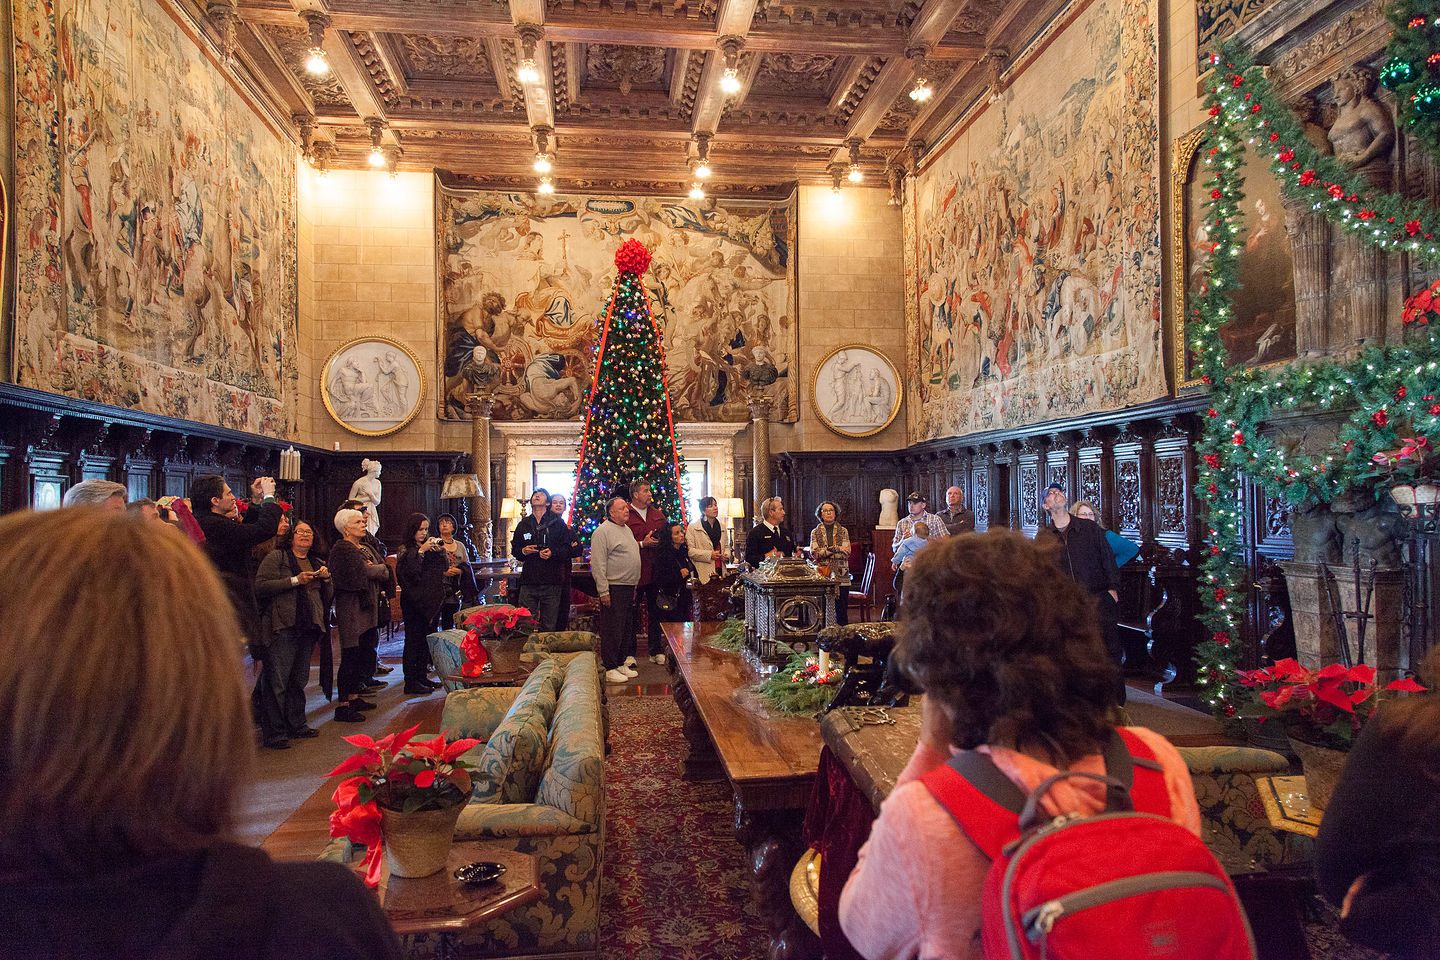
907 524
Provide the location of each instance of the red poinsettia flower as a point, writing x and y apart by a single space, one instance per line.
1274 137
1380 417
1337 191
360 822
1286 155
1212 460
1307 178
284 505
1215 110
1413 227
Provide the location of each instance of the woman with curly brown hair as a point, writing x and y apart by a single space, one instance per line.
1007 649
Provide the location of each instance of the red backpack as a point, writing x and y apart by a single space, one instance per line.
1125 884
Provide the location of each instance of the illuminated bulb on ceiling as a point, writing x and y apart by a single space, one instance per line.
528 72
697 192
377 157
730 82
855 174
703 170
542 163
316 62
545 186
922 91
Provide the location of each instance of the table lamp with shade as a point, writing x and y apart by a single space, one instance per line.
466 487
509 511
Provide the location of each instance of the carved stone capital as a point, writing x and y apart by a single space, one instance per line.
480 405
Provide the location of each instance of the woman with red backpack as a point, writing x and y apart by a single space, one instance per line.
1026 823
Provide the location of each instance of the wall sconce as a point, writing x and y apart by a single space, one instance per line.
316 22
530 35
321 153
392 160
730 49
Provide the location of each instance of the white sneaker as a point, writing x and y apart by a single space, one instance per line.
630 671
629 661
658 658
616 676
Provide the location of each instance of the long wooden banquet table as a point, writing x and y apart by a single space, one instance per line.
769 759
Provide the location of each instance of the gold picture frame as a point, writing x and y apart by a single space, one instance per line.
373 386
856 391
1262 332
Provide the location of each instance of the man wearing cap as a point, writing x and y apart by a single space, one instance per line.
1086 558
906 526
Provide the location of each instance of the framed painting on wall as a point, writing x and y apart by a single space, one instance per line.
373 386
1262 332
856 390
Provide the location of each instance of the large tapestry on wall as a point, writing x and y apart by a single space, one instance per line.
1033 239
525 280
157 239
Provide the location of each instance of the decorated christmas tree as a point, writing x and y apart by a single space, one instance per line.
629 429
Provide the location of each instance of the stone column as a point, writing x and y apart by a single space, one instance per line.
760 425
1310 247
480 406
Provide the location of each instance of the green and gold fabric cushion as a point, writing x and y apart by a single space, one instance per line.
511 764
574 777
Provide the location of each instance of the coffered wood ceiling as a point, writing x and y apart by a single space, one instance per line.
627 87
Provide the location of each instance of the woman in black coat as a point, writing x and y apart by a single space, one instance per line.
420 569
358 575
671 572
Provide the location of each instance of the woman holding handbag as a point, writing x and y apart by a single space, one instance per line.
358 574
294 592
671 574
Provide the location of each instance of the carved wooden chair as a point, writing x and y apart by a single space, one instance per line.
860 595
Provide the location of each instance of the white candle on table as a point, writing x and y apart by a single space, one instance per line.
824 662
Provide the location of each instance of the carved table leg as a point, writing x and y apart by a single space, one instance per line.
773 840
702 760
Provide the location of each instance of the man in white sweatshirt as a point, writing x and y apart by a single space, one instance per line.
615 562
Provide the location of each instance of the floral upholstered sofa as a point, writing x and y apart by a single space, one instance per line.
1232 818
539 788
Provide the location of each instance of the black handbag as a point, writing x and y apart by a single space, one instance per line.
665 601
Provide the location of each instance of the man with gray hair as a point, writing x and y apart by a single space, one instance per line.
97 493
615 563
766 539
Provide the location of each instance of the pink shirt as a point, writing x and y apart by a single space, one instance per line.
915 891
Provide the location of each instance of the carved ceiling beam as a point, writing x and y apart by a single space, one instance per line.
495 53
849 73
344 62
930 25
732 22
574 66
677 75
528 17
275 77
390 60
624 30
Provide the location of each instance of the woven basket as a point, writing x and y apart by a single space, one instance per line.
417 844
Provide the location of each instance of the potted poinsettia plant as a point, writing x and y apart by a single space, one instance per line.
1322 712
498 622
403 798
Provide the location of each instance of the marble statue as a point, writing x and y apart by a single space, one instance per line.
367 490
889 509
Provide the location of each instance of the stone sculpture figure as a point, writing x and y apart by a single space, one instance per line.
1314 534
1310 249
1363 136
1374 529
367 490
889 509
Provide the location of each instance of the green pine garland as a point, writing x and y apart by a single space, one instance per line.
1409 71
1382 394
783 692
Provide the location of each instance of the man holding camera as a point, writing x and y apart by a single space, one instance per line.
542 545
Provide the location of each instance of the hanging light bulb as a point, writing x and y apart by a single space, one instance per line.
545 186
542 163
921 91
377 157
377 146
730 82
697 192
853 171
528 70
855 175
730 50
702 170
315 23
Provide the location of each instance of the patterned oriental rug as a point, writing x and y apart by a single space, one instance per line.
676 883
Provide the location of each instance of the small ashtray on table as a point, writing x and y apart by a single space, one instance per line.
444 905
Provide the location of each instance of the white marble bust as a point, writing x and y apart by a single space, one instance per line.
889 509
